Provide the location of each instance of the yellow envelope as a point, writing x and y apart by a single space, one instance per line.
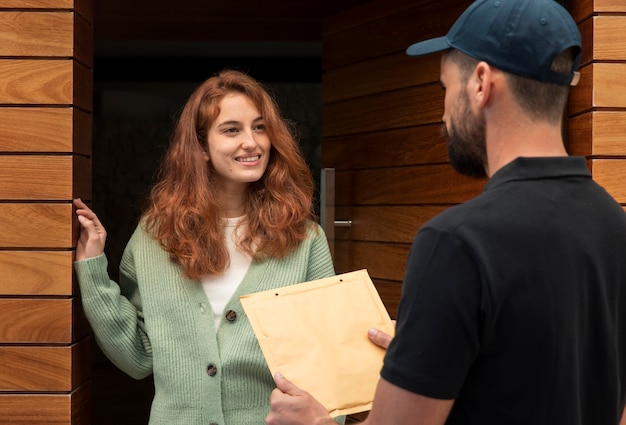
315 334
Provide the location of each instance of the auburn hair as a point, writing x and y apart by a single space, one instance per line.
183 213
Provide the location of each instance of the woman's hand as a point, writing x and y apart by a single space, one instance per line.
92 234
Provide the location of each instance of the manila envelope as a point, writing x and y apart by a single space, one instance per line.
315 334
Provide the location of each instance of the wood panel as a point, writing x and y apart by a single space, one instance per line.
38 4
387 34
392 72
609 38
581 10
47 409
47 177
36 129
384 223
46 82
382 261
389 148
21 35
610 173
36 177
412 106
36 225
601 86
29 320
44 368
40 273
429 184
599 133
390 294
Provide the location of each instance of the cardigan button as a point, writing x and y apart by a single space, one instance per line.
231 315
211 370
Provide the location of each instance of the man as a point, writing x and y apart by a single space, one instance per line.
513 308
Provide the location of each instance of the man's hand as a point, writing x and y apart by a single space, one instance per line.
379 337
290 405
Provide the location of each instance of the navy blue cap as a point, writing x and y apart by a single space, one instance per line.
517 36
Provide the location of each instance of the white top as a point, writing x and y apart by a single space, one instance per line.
219 289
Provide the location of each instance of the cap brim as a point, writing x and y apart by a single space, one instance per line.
428 46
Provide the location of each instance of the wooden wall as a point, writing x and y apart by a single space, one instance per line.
381 118
45 145
597 126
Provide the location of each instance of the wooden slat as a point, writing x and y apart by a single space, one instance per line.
36 81
37 33
33 177
81 177
580 97
378 75
412 106
393 148
610 174
382 261
601 86
586 33
82 135
37 4
44 368
70 408
431 184
390 294
83 40
582 9
609 90
33 225
598 133
385 34
384 223
39 129
36 273
360 14
82 88
35 320
609 38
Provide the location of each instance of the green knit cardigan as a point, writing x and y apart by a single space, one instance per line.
156 321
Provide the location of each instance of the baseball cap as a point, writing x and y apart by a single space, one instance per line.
517 36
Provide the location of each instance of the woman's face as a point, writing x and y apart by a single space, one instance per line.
239 146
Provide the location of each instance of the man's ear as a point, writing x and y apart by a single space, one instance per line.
480 88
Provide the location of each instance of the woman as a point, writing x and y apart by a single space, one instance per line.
231 213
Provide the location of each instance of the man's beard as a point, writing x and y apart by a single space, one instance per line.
467 149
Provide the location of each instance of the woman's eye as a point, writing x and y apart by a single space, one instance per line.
231 130
260 127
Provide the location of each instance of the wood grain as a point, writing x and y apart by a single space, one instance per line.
63 408
384 223
34 320
610 174
366 39
391 72
44 368
388 148
599 133
34 177
41 129
36 273
428 184
36 81
28 33
383 261
36 225
412 106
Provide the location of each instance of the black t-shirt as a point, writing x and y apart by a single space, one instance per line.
514 303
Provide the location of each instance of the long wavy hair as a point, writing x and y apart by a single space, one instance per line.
183 213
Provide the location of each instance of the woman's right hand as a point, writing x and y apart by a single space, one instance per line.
92 234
